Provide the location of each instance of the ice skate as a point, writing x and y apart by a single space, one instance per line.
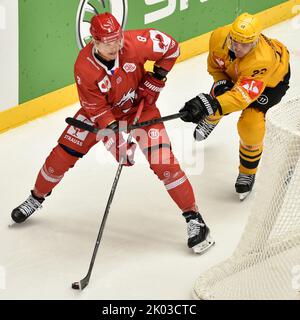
199 238
203 129
244 184
26 209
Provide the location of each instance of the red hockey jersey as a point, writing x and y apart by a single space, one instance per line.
108 95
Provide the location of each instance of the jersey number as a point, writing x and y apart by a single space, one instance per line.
256 72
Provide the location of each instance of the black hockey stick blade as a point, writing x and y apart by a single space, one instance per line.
76 286
81 284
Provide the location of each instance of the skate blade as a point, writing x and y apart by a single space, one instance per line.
204 245
12 224
199 137
244 195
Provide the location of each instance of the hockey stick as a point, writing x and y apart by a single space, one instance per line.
80 285
84 126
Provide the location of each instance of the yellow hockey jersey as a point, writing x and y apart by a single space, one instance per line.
264 66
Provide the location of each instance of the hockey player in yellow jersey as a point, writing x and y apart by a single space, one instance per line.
251 74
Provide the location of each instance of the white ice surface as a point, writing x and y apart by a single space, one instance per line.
143 253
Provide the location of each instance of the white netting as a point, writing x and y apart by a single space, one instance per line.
267 259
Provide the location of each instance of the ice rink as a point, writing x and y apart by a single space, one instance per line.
143 253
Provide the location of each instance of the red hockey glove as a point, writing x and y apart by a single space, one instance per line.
119 147
149 88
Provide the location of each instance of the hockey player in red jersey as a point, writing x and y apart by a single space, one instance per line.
111 81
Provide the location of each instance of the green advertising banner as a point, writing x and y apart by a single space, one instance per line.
186 19
52 32
47 46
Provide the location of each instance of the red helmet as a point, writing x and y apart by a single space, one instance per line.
105 28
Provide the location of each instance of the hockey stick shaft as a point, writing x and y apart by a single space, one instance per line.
84 282
84 126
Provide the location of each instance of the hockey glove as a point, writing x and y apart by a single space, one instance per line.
199 107
221 87
149 88
118 146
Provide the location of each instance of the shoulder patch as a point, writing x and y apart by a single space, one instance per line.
219 61
252 87
161 42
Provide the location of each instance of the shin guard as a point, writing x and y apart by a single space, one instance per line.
53 170
174 179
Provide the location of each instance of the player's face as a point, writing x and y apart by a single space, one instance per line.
109 50
240 49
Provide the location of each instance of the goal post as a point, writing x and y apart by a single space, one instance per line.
264 262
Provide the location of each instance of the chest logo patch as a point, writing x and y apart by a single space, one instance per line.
104 85
119 80
129 67
129 96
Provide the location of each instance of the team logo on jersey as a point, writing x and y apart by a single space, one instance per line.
129 96
263 99
161 42
118 8
129 67
76 133
220 62
104 85
153 134
252 87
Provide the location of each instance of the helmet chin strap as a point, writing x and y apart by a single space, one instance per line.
255 43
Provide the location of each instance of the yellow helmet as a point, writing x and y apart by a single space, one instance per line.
245 28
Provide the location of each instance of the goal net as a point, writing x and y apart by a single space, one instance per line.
266 262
